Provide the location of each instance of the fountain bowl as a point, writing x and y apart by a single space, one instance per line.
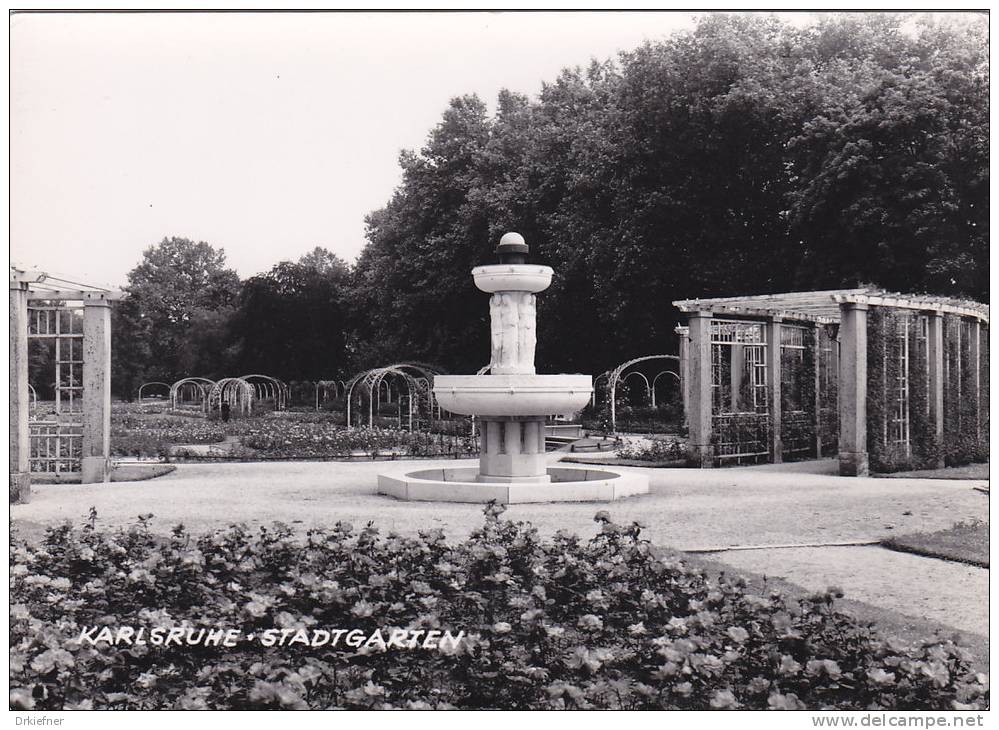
512 278
515 394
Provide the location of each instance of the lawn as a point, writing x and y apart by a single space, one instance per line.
965 542
121 473
968 471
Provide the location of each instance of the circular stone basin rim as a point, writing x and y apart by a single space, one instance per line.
512 277
467 476
458 485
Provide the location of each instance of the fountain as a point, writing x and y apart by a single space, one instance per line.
511 404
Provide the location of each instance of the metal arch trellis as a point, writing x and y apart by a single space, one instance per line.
656 380
232 391
645 380
325 387
596 382
370 381
150 384
412 386
267 387
202 386
615 376
425 372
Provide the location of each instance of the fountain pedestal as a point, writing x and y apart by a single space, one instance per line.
511 405
512 449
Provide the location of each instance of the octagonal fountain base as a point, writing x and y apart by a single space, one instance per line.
564 484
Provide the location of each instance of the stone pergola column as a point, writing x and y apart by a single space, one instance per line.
699 390
96 441
935 366
683 335
20 438
773 387
853 390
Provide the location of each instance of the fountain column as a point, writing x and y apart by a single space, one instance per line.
519 456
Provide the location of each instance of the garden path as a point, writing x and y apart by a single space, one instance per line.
688 508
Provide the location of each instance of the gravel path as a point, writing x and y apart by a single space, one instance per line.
688 508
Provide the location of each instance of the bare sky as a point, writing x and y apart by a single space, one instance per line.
264 134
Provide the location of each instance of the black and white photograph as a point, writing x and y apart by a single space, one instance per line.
520 360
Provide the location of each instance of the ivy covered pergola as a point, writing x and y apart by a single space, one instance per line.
885 381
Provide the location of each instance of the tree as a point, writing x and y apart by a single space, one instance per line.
413 295
180 293
743 157
894 176
291 323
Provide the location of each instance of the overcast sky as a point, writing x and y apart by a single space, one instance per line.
262 134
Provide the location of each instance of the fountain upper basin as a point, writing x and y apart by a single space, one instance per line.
512 277
518 394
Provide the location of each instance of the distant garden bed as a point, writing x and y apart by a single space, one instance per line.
277 435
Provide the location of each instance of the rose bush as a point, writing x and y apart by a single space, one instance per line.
655 450
276 434
322 439
609 622
134 436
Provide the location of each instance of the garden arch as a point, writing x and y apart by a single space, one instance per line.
266 387
656 380
370 382
150 384
615 377
326 389
184 389
235 392
645 381
596 386
423 372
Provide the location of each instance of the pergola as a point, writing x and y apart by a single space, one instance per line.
74 438
769 376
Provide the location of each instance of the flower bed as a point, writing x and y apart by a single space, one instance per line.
611 622
275 435
137 436
321 439
317 438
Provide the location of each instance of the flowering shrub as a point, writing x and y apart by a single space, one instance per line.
655 450
317 438
610 622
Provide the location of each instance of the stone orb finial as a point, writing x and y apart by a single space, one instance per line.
512 249
512 238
